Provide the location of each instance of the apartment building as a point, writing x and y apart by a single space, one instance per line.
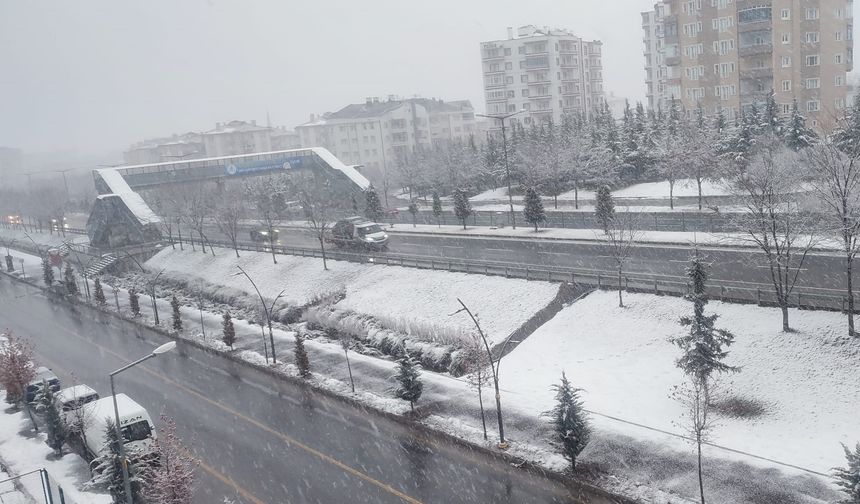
655 67
172 148
728 54
544 72
377 133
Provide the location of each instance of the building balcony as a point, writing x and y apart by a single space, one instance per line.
540 96
746 4
759 25
756 73
754 50
673 60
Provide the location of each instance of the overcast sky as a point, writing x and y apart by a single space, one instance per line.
100 74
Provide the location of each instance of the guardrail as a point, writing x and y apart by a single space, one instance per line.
725 290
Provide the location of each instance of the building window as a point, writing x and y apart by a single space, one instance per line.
811 13
813 106
786 38
723 47
813 83
525 93
509 66
840 80
524 78
838 59
840 103
509 80
786 85
812 37
785 14
838 36
812 60
723 69
786 108
507 51
521 49
786 61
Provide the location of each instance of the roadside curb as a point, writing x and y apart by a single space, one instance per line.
570 482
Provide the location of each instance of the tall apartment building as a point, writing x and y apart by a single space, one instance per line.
377 133
544 72
655 57
729 54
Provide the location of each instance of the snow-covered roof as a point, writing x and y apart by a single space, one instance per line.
118 186
357 178
103 408
73 392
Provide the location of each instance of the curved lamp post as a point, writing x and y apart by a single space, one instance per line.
502 119
123 459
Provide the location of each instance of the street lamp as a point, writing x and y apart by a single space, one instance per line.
266 309
501 119
123 460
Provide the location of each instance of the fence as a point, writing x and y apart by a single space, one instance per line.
648 221
726 290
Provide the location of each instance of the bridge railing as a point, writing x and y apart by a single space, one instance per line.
727 290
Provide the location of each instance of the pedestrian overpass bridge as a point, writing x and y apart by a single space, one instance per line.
121 217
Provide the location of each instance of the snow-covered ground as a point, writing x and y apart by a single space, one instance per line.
24 451
683 188
392 292
807 380
43 239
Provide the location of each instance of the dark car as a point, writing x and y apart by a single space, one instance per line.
262 235
43 375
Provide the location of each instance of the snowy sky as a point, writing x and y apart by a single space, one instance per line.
97 75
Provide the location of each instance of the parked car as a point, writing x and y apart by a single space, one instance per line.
71 399
358 232
138 431
43 375
262 235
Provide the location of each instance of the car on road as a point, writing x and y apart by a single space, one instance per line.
262 235
43 375
358 232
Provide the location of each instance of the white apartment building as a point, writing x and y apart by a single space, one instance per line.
376 134
656 70
159 150
544 72
237 137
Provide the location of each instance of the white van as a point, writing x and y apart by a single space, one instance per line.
138 431
70 399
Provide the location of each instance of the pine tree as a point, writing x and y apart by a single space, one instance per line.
372 206
437 207
771 122
569 420
134 302
229 332
534 211
302 361
177 317
353 204
47 272
847 136
704 345
462 206
604 208
798 136
69 280
409 385
54 425
107 469
99 294
413 209
848 478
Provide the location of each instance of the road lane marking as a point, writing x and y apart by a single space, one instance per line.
287 439
51 364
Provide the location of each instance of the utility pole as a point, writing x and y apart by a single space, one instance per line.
502 119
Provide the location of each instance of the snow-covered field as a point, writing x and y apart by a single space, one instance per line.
807 380
393 292
28 452
683 188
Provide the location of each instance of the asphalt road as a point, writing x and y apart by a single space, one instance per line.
261 440
732 266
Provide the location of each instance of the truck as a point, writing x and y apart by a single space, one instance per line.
138 431
358 232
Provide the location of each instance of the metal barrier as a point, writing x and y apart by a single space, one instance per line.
726 290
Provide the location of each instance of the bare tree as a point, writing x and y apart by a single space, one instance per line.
621 234
772 220
476 364
267 196
78 419
172 480
16 367
228 212
199 210
837 184
696 420
318 204
346 342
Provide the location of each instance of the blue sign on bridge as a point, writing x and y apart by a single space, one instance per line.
247 167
